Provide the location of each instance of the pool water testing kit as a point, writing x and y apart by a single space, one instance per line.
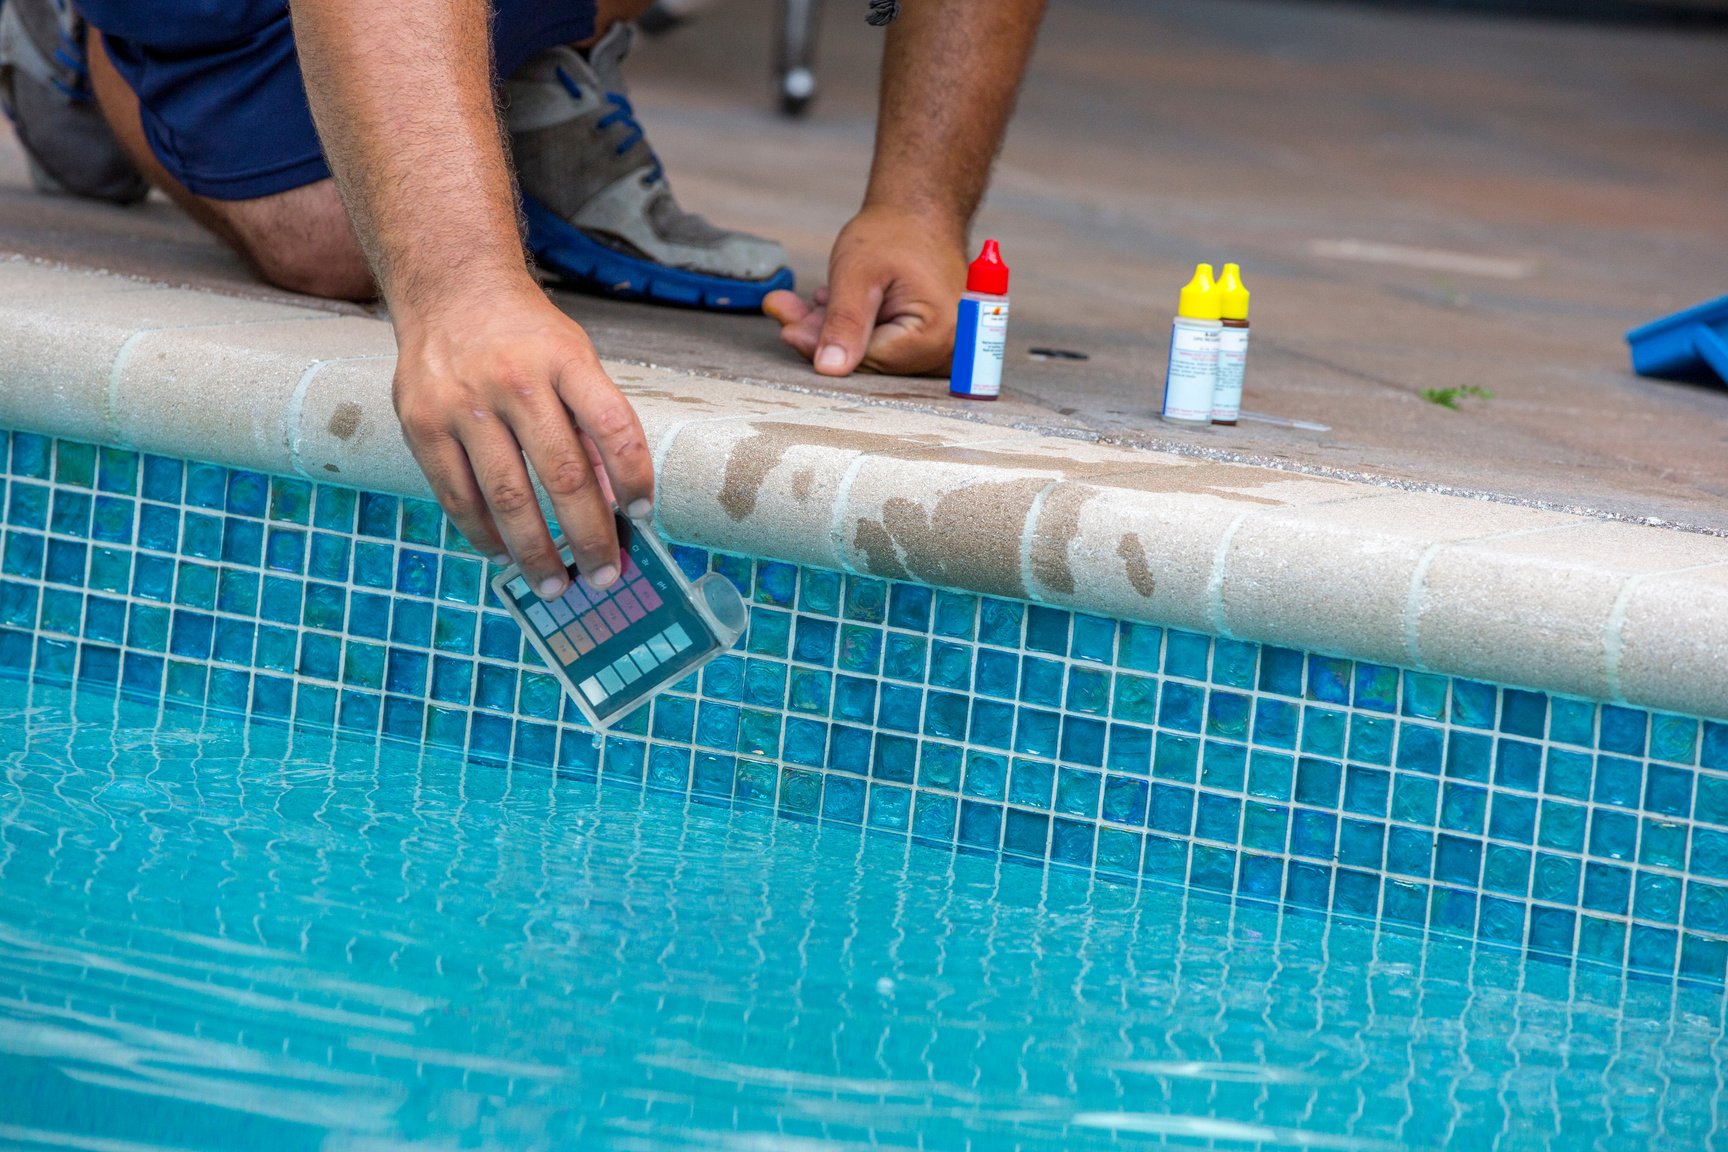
615 647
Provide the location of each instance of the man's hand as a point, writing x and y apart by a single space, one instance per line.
488 371
949 76
481 384
889 304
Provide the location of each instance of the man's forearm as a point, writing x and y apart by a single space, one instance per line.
949 78
403 98
491 379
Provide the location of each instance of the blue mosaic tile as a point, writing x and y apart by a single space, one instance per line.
769 633
74 463
1362 843
1313 833
989 725
1375 688
946 714
1139 646
1281 671
933 818
1037 731
776 584
1523 713
1329 680
1224 765
1409 851
907 658
955 614
1025 833
1093 639
980 825
117 471
1613 835
1234 663
1673 738
1164 859
1176 757
1181 706
1186 654
1474 704
1513 817
1047 629
1424 696
1623 729
1271 775
866 599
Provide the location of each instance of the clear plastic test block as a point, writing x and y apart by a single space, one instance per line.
614 648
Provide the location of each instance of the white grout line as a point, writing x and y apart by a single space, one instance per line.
1215 581
1415 599
1028 537
837 519
1613 641
297 405
111 395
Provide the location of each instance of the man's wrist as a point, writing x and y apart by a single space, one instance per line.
418 301
933 217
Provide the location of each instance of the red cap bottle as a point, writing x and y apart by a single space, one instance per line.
987 275
981 328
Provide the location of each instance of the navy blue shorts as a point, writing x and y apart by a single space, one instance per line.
218 82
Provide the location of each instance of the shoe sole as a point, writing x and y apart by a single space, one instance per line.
576 257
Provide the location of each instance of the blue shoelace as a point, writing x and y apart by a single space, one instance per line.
622 113
69 54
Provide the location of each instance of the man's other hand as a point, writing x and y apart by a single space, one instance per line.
485 381
894 283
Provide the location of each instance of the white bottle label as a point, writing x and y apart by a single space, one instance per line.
981 339
1193 374
1232 366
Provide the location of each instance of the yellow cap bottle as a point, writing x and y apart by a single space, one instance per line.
1192 375
1232 294
1232 347
1199 299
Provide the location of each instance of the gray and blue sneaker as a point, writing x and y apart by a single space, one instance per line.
45 91
600 212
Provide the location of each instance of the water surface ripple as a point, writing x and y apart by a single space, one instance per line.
215 937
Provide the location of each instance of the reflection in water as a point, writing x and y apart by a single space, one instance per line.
214 937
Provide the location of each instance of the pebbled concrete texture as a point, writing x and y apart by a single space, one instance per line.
1542 187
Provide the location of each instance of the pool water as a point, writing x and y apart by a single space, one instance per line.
215 936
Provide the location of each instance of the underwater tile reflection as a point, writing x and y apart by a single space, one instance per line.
212 932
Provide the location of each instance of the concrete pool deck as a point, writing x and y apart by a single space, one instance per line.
1437 134
1566 180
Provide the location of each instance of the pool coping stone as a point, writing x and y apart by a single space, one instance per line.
1549 600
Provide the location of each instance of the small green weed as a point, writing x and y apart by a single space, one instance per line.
1449 397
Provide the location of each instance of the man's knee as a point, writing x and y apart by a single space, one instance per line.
333 272
301 240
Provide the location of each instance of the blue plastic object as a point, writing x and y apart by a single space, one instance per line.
1690 345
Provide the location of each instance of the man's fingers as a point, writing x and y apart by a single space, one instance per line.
855 298
446 466
542 426
800 323
592 450
784 306
908 346
502 474
803 335
607 419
